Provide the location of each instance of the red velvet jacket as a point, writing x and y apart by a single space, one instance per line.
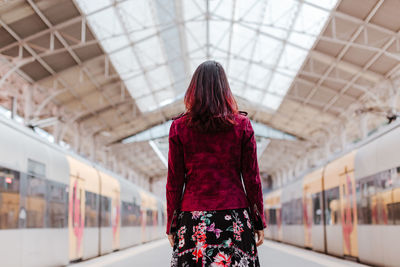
210 166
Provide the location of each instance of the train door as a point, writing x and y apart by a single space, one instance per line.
307 216
76 217
115 215
155 224
279 220
143 216
145 206
348 210
314 229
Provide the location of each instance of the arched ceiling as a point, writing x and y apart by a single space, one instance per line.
106 70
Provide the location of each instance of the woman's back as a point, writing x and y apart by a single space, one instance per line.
211 148
210 165
213 166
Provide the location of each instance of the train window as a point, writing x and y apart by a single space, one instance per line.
375 199
297 211
396 211
36 168
394 206
91 209
317 212
332 206
156 222
395 175
286 211
292 212
279 216
9 198
368 189
272 216
129 214
358 199
149 217
398 176
105 211
384 197
163 218
137 214
35 202
125 213
57 205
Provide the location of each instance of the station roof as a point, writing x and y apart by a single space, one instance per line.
113 69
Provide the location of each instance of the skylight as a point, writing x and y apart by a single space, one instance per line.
156 45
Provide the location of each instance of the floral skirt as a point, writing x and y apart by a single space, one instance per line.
215 238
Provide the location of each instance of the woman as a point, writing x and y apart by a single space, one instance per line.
211 149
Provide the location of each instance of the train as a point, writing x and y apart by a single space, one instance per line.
347 207
57 207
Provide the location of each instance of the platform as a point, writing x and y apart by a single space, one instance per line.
271 254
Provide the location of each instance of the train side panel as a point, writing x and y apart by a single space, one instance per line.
292 214
130 233
33 200
377 172
45 242
50 202
272 214
154 219
160 219
10 177
149 216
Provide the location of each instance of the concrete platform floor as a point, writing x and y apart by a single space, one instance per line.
271 254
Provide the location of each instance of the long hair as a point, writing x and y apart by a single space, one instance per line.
209 101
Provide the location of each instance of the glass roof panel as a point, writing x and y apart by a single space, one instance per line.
105 24
219 33
281 13
252 94
327 4
124 61
193 9
165 97
88 7
222 9
137 16
280 84
195 32
137 86
150 52
156 46
115 43
160 78
267 56
242 41
257 75
146 103
272 101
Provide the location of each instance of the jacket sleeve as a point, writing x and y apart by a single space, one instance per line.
175 179
251 177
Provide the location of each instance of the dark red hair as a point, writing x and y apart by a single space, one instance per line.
209 101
